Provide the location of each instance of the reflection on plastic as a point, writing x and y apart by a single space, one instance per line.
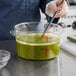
46 49
46 38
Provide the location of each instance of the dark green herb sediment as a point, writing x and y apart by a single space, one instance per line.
29 46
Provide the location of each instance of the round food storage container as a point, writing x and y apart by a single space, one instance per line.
4 58
32 45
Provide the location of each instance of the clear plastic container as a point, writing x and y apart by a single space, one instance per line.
31 44
4 58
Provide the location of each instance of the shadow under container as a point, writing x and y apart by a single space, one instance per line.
32 45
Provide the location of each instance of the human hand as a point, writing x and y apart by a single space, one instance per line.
53 6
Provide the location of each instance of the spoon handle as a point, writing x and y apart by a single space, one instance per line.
49 23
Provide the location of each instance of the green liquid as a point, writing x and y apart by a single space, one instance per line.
32 46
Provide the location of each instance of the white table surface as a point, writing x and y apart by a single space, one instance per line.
68 64
68 61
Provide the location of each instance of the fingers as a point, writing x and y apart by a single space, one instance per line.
58 2
52 7
58 14
62 15
63 10
61 6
